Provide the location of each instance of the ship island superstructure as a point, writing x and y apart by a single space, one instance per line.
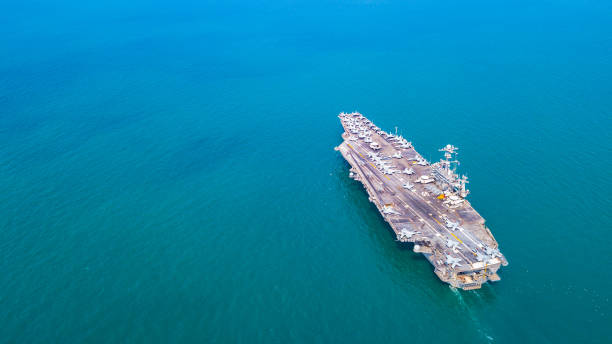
424 203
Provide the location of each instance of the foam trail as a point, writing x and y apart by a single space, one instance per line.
471 314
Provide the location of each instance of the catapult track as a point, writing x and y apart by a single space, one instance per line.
423 203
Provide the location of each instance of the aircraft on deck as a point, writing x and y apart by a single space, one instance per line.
388 170
380 163
454 245
452 261
452 225
406 234
408 186
373 155
397 155
387 209
405 144
408 171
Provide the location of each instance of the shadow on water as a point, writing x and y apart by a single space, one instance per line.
405 263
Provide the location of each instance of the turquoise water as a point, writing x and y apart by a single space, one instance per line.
167 172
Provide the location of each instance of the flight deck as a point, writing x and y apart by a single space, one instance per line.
424 203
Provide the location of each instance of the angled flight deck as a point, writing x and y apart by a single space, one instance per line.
424 203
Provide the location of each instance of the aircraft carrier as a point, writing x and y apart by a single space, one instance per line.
425 203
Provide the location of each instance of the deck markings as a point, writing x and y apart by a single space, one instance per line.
411 208
386 176
453 234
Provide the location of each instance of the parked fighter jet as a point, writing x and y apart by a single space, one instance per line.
452 225
408 171
388 210
397 155
408 186
454 245
406 144
406 234
388 170
492 252
452 261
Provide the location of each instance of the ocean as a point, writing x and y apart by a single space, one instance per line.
168 173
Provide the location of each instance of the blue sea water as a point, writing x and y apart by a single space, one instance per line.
167 171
